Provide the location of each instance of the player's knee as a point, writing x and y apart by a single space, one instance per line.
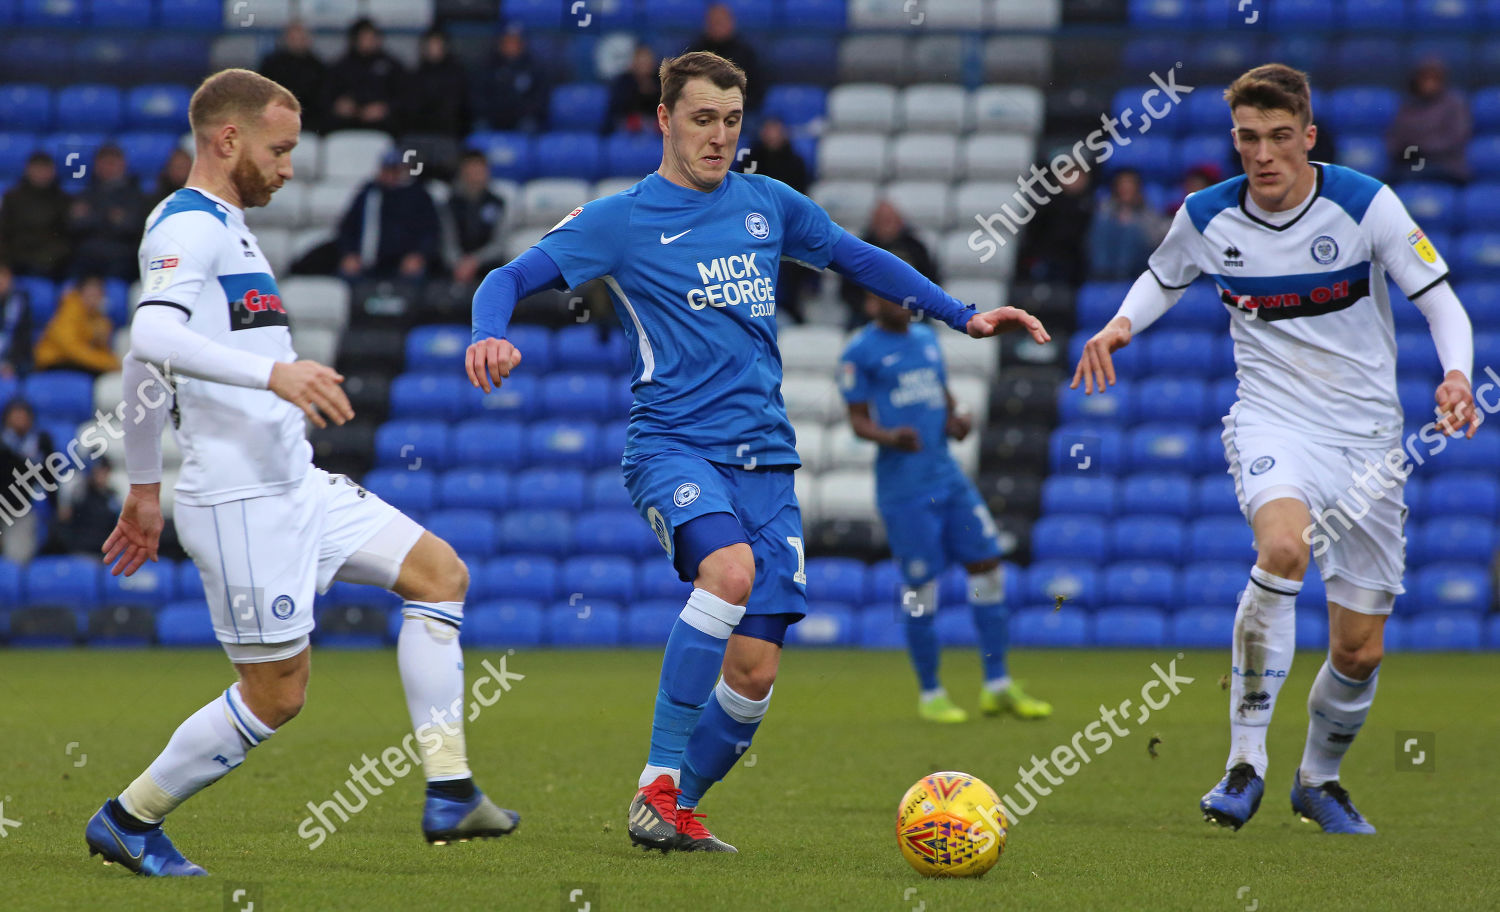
433 573
1283 555
752 682
728 575
275 703
1356 659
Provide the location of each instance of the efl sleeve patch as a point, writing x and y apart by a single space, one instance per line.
1421 245
159 273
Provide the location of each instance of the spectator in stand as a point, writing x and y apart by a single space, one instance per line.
364 86
437 96
514 96
15 327
472 220
34 237
888 231
21 443
772 155
635 93
294 65
86 513
171 178
1429 136
720 37
1198 177
107 218
1054 248
1125 230
78 336
402 239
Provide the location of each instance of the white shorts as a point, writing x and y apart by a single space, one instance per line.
1357 537
263 558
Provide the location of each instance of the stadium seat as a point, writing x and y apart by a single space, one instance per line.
483 489
1076 580
186 624
121 626
1129 362
353 626
1147 537
597 623
511 155
579 106
1214 584
569 154
836 579
589 578
146 153
87 107
924 204
1484 108
1141 582
853 156
1114 405
1082 495
353 156
199 15
1046 628
545 532
437 349
489 443
49 626
512 576
1014 109
939 107
1471 494
1364 152
1312 626
544 488
1150 155
1459 538
1166 494
60 395
867 106
1086 448
15 148
579 396
503 623
924 156
1163 447
1477 255
27 107
1172 353
562 443
470 532
73 581
412 444
1482 301
432 395
1416 354
404 489
1070 538
1134 627
1226 538
1172 398
157 107
878 628
795 105
584 348
648 623
631 154
545 201
1446 631
1202 628
825 624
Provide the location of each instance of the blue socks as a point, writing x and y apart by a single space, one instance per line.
694 655
723 734
993 624
922 645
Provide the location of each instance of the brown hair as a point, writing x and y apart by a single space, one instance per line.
236 95
676 71
1272 87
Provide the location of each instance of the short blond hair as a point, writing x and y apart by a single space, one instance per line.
236 95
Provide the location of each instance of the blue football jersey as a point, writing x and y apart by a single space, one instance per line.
693 276
902 378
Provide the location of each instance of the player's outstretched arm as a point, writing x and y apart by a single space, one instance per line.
314 388
1096 367
137 532
491 357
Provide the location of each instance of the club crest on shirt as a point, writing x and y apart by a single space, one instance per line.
1325 250
1262 465
283 607
1421 245
756 224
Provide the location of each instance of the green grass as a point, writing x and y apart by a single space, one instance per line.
811 807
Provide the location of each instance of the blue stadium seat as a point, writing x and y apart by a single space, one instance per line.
1043 627
430 395
355 625
610 445
482 489
1416 354
1295 15
600 625
1151 155
1473 494
1069 538
1479 208
1365 152
562 443
1478 253
26 107
1414 494
1226 538
486 443
589 578
548 532
1480 454
617 531
1143 54
201 15
1216 584
437 349
576 395
1210 450
150 585
1098 302
1459 538
54 13
519 398
1486 347
15 148
1492 632
885 583
569 153
579 106
1085 495
404 489
1484 152
87 107
1482 301
10 583
827 15
535 345
470 532
187 583
878 628
1204 113
536 14
1312 626
25 56
1202 628
1163 493
834 624
404 443
1077 581
121 13
44 294
1178 354
1446 631
108 57
1484 108
1162 447
582 348
953 586
549 489
60 395
1359 60
1163 13
655 578
517 577
1433 206
1172 398
631 154
1416 397
606 491
1114 405
795 105
1445 14
503 623
649 623
1203 149
151 107
955 629
185 623
510 154
1147 537
678 14
1086 448
1133 627
1141 582
837 579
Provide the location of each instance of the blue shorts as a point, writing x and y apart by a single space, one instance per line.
671 488
952 525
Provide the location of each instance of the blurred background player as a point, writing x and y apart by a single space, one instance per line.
1300 252
265 526
893 378
690 254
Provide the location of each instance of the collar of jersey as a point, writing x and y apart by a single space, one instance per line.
1306 206
229 207
687 194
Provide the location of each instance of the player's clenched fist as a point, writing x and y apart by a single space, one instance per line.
1005 319
491 360
314 388
1455 406
1096 368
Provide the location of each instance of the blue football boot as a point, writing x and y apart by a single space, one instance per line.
1235 799
1328 806
446 819
150 853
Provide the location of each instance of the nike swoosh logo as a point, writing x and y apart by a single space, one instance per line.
121 843
668 240
888 360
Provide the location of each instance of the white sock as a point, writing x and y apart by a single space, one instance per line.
935 692
649 774
998 685
432 672
1265 639
1336 709
213 741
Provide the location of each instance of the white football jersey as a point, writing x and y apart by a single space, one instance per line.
198 256
1314 342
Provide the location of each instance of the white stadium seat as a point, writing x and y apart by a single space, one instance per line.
925 156
848 494
948 14
119 343
276 244
287 209
928 204
257 14
328 14
996 156
611 186
354 155
1008 109
547 201
936 108
307 158
1025 14
985 294
1012 58
810 349
320 301
862 106
961 259
812 397
812 446
518 240
510 192
328 200
806 486
235 50
313 343
969 357
107 391
847 202
982 197
853 156
848 451
400 14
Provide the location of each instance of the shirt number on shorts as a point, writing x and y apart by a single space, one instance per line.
801 575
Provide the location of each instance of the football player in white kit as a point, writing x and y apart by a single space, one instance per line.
1299 251
265 526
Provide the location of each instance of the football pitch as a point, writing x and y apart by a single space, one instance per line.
811 806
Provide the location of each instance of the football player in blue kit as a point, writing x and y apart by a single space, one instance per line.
690 256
